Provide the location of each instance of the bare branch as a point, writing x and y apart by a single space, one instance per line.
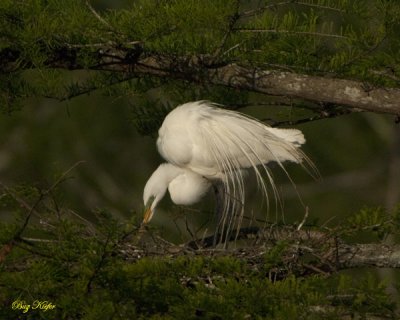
347 93
369 255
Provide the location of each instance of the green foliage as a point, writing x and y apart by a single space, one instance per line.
148 112
274 257
356 39
366 296
80 267
87 271
376 222
148 118
177 27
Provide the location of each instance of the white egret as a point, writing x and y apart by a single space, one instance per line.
205 145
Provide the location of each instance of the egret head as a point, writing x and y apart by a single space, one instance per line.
156 187
154 191
185 187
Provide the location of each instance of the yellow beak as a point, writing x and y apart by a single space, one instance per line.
147 215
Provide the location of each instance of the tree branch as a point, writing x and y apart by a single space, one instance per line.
348 93
369 255
203 69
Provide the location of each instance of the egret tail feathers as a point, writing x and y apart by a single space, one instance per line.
289 135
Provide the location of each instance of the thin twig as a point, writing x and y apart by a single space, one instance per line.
321 116
101 45
38 240
312 5
238 106
232 48
62 177
97 15
87 222
91 89
251 13
189 230
315 269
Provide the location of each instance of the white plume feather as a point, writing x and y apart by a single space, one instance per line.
218 144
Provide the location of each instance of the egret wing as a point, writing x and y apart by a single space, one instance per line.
243 142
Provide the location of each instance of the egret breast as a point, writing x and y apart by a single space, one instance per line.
188 188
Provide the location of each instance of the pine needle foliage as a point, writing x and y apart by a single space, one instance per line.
339 38
63 49
99 271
